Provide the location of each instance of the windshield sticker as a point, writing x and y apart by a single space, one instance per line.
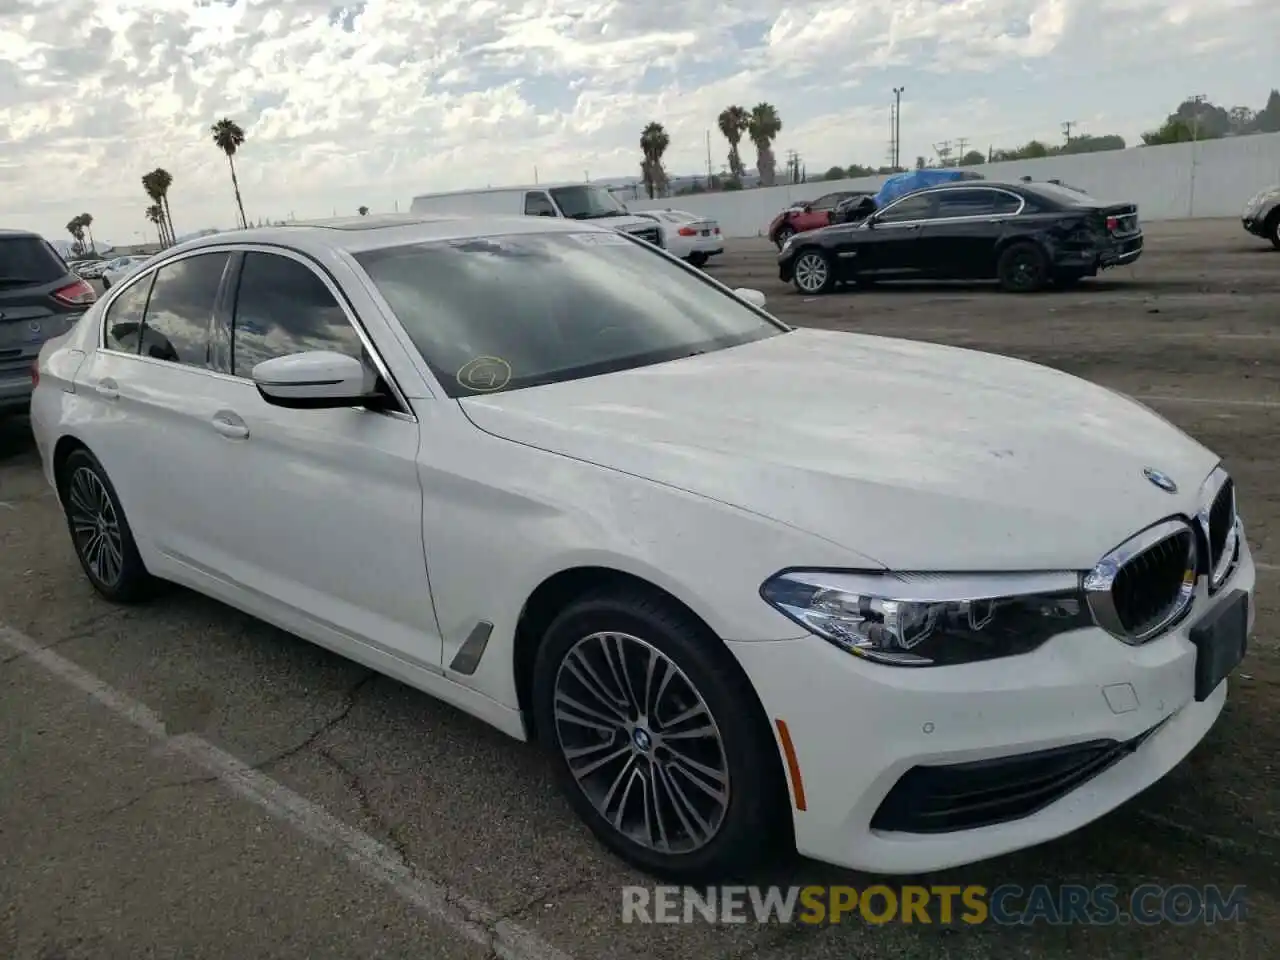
604 237
484 374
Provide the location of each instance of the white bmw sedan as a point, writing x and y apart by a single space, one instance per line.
902 605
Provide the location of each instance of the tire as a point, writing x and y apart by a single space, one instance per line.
1022 268
812 272
698 259
785 234
106 284
1273 228
93 512
647 626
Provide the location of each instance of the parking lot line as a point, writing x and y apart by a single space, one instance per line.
471 920
1214 401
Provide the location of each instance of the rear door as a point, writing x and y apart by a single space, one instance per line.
959 241
39 298
158 398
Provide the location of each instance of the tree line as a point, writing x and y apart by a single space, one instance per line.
1194 119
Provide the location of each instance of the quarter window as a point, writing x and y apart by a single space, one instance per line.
124 317
180 310
283 307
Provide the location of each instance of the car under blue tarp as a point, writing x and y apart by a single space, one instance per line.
901 184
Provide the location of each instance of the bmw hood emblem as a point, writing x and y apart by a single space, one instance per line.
1161 480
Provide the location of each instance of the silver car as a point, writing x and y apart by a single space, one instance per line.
1261 215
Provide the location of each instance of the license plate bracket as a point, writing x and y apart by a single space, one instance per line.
1221 642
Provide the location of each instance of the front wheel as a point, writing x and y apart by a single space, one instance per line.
812 273
106 282
1273 229
785 234
1022 268
698 259
658 740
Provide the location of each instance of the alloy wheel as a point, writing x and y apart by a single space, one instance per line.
811 272
641 743
95 526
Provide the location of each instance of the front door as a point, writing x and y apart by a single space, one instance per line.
892 251
325 505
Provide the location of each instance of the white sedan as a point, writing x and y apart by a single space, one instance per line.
904 605
687 235
119 268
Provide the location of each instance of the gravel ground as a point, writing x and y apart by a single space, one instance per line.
117 840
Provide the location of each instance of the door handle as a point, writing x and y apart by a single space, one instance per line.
230 425
108 389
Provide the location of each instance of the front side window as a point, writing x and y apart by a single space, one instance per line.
180 312
123 321
507 312
538 204
912 208
283 307
587 202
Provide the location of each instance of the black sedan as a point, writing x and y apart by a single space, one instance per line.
1025 235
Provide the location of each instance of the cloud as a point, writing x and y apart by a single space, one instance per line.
350 102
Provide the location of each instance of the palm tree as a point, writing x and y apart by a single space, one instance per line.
733 123
155 213
75 227
653 144
228 136
152 189
763 128
87 220
364 211
164 180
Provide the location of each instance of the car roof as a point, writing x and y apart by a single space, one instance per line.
355 234
8 232
511 189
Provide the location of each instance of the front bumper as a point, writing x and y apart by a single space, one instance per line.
858 728
785 269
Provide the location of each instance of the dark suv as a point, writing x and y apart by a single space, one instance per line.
40 297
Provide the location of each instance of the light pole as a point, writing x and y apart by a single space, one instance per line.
897 127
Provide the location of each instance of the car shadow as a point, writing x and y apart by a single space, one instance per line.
16 441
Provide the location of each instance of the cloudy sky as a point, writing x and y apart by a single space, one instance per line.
371 102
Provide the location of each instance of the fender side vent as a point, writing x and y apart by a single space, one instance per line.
467 659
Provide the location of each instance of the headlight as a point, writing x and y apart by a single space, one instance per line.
928 619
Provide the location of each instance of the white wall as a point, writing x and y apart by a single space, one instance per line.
1213 178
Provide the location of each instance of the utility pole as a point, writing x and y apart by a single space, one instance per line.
535 175
710 175
893 135
1066 129
897 127
1196 99
961 143
943 150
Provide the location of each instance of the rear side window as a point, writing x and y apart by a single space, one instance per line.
180 310
124 316
283 307
28 261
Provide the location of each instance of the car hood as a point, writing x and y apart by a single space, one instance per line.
913 455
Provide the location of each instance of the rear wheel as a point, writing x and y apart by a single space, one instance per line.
1022 268
100 533
698 259
812 272
657 737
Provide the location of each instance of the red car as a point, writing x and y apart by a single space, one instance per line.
807 215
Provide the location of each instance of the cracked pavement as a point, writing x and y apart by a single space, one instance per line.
111 846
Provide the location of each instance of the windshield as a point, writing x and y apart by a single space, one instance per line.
507 312
1072 196
587 202
29 260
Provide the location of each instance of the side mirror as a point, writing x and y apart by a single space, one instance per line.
753 297
315 380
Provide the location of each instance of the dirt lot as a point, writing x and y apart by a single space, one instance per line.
112 848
